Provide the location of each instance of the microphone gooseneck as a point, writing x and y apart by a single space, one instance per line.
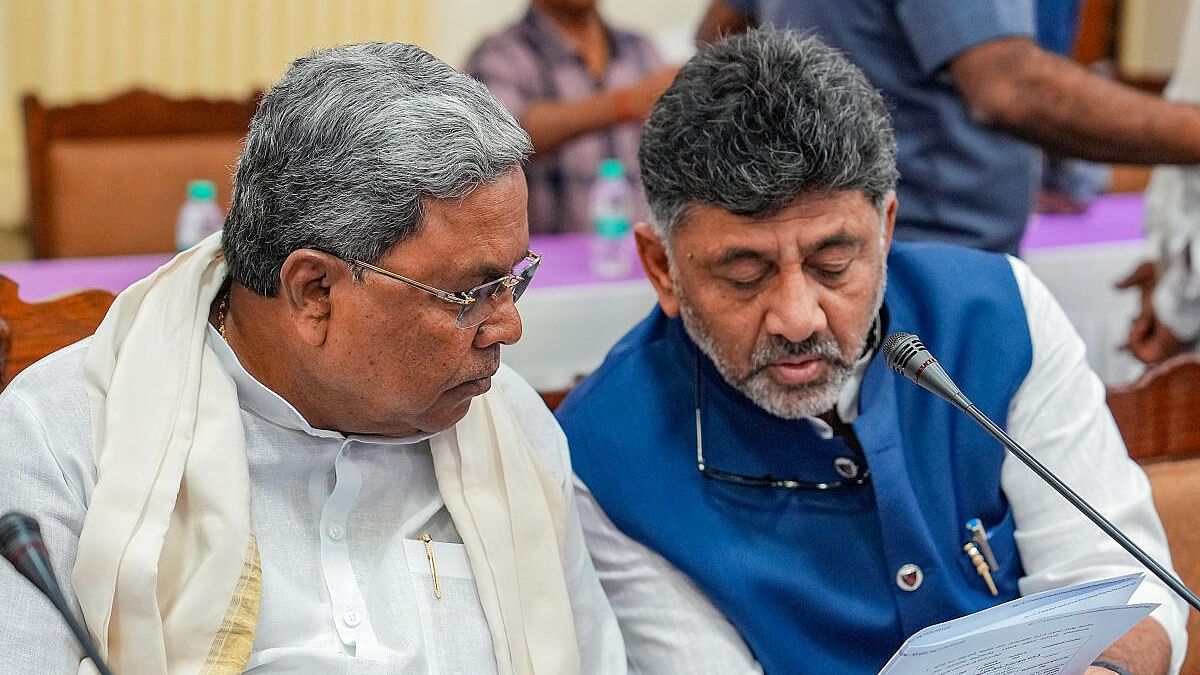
905 354
21 544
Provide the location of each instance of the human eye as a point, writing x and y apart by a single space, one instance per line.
747 276
830 270
831 263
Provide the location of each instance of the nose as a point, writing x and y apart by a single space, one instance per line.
794 308
503 326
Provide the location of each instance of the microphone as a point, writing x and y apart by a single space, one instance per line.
905 354
21 544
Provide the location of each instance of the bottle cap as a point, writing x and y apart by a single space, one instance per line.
201 189
611 168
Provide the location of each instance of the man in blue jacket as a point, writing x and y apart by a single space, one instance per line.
778 499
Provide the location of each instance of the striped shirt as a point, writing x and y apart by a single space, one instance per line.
532 61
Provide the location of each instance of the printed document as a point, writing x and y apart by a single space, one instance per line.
1055 632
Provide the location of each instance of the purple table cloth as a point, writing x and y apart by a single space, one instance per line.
1109 219
1113 218
564 263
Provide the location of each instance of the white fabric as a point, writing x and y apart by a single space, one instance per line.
167 530
346 588
512 519
1058 413
1173 207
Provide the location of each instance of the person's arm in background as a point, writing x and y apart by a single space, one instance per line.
1013 85
552 123
509 71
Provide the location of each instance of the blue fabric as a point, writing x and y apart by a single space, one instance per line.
1056 21
959 182
808 578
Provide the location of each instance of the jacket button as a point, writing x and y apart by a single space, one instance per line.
909 577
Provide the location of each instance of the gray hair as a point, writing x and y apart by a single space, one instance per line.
756 120
347 148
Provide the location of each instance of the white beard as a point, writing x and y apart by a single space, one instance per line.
786 401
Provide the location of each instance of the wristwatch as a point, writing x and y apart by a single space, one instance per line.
1116 668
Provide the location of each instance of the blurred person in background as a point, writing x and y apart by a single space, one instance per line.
973 96
294 449
1169 321
580 88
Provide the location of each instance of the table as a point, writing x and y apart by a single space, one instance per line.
1080 257
572 316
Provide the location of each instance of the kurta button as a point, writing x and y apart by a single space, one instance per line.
335 532
351 618
846 467
909 577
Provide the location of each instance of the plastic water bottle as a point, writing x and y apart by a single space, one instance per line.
199 216
612 243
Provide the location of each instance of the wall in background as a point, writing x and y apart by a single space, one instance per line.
1148 37
67 51
72 50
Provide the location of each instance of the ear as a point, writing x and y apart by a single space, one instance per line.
305 282
891 208
653 253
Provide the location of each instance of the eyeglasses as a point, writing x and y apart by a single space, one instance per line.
767 480
479 303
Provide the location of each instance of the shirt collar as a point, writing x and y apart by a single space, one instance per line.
257 398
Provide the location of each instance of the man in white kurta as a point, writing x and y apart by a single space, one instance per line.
347 585
293 449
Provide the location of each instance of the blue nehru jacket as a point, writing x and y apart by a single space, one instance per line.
810 578
959 182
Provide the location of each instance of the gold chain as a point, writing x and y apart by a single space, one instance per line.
222 308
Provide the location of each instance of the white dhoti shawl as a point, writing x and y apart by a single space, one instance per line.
167 573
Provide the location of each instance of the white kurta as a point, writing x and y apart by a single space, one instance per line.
347 587
1173 206
1058 414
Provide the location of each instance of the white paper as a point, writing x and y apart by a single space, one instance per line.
1055 632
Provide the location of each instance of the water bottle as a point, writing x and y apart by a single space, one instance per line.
612 243
199 216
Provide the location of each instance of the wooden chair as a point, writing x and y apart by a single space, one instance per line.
1159 417
108 178
29 331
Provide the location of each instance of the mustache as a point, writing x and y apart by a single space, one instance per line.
490 365
777 347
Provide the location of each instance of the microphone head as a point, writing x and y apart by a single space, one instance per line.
902 348
905 354
16 530
21 544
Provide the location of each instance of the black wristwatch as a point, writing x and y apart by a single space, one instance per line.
1116 668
